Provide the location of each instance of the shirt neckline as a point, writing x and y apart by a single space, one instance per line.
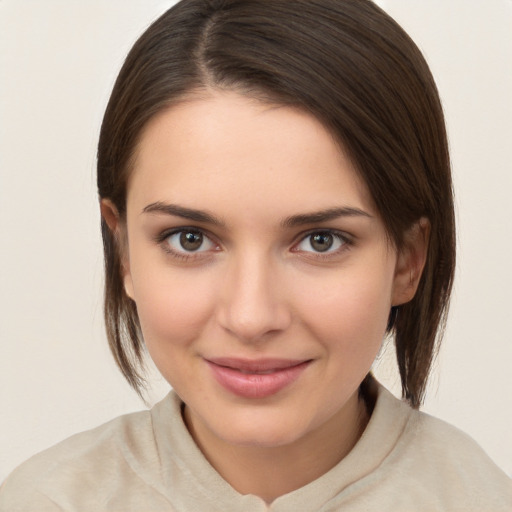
188 474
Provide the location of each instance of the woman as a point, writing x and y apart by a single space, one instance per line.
276 197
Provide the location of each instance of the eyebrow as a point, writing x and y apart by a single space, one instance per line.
323 216
182 211
289 222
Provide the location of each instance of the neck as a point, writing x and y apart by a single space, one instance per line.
270 472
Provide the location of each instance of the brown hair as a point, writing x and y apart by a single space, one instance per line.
351 66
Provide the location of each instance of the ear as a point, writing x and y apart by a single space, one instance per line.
410 262
117 227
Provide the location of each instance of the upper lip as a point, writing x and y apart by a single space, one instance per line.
256 365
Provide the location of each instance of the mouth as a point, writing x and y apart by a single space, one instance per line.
256 378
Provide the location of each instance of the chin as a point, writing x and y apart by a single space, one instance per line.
262 431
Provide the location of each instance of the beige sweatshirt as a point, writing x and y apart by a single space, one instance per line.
147 462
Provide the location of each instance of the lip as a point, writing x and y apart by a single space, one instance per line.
259 378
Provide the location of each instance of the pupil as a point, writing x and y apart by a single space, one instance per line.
321 242
191 241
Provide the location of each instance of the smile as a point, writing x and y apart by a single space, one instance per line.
263 372
256 379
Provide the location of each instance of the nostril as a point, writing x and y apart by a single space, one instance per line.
250 324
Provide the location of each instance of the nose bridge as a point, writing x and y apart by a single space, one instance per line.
252 305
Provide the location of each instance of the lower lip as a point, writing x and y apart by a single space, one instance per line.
253 385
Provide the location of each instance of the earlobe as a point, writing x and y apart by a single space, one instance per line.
128 283
111 216
410 262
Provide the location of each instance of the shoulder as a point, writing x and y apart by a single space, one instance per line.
437 441
443 461
97 458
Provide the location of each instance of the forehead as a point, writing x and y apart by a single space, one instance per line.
227 148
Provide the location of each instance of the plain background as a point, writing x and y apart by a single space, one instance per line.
58 61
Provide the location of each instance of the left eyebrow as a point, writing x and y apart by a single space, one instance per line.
323 216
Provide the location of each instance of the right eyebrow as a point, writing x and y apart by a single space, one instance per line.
184 212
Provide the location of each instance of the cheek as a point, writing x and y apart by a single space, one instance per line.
173 307
350 311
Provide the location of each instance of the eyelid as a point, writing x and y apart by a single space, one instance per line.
346 239
162 237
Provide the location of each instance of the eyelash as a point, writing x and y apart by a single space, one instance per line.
162 238
346 243
345 240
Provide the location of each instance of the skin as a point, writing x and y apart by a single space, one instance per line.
257 287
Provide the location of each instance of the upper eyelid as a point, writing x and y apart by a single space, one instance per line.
347 244
166 233
184 255
336 232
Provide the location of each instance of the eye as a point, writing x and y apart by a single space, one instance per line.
321 242
189 240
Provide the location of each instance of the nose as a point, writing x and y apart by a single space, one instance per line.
253 305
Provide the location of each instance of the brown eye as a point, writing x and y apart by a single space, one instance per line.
321 242
326 242
191 241
187 241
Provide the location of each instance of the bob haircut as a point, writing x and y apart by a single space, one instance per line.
348 64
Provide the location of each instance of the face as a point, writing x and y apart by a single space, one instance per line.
261 271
